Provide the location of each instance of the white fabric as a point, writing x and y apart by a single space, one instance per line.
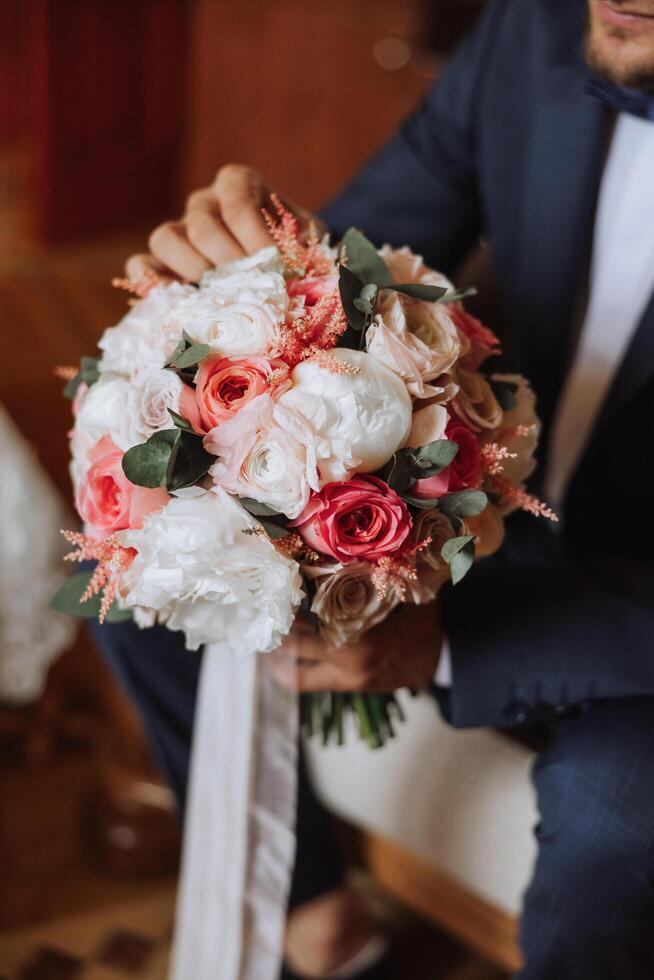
443 676
239 843
31 569
621 282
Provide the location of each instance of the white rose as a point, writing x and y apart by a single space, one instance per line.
145 335
266 452
103 412
415 339
237 309
200 573
358 419
152 392
347 603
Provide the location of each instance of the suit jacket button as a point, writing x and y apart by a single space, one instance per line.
516 711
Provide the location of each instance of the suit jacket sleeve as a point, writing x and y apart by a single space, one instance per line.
530 642
420 189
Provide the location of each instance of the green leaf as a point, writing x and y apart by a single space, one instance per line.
188 463
88 374
433 458
179 350
70 388
506 393
363 306
429 504
146 465
419 290
180 421
350 287
458 296
459 553
258 509
67 600
464 503
191 356
363 260
398 471
273 530
369 292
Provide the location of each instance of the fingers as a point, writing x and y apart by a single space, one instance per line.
169 244
240 194
141 266
208 234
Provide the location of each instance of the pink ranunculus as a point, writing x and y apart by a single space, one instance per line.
362 518
464 472
224 385
313 288
481 339
106 500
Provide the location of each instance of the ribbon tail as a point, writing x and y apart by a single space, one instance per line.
239 840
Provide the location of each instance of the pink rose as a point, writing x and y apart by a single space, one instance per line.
362 518
465 471
224 385
313 288
106 500
481 339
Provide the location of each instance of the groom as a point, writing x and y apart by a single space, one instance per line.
540 138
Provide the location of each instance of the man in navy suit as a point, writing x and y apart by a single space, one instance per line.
539 137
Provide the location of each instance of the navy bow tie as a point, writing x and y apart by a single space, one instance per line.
630 100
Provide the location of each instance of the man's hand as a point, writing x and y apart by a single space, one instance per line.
221 223
403 651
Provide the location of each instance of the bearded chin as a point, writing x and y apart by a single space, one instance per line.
635 71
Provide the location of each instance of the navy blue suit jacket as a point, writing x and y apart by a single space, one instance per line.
508 145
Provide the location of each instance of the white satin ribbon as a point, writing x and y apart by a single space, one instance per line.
239 835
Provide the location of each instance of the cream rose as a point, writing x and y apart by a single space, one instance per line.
359 416
519 431
475 404
200 572
347 603
238 308
152 392
432 571
405 266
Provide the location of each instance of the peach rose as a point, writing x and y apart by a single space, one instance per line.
475 403
312 288
106 500
223 385
362 518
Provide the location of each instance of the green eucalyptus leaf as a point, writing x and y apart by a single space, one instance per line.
506 393
398 471
70 388
89 370
436 456
67 600
458 296
417 290
463 503
179 350
363 306
459 553
369 291
146 465
364 261
191 356
273 530
258 509
180 421
189 463
429 504
349 287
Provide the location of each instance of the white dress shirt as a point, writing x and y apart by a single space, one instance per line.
621 283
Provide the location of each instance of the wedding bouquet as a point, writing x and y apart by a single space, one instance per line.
308 431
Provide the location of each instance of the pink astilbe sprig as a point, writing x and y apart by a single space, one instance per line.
317 331
493 456
66 372
137 287
518 497
294 547
306 258
112 558
396 571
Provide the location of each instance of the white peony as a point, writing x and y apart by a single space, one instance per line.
199 571
238 309
152 392
265 452
358 418
146 335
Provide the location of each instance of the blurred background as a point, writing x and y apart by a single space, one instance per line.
111 111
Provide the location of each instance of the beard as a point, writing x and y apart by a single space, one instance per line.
633 69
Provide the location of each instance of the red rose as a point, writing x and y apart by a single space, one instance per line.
483 341
465 471
362 518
